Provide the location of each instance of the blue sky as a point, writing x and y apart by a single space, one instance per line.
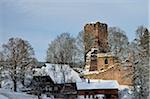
40 21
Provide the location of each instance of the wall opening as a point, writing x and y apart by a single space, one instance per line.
106 61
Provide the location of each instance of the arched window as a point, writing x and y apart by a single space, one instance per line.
106 61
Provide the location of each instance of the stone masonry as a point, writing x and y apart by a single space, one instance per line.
99 32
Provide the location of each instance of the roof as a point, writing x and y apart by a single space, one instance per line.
101 84
55 71
43 79
40 64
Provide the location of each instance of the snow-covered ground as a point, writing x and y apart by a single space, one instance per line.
125 92
6 94
3 97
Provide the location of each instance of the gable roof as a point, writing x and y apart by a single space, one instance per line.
59 73
43 79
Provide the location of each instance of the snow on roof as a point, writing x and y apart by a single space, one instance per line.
105 55
59 73
108 54
92 50
101 84
121 87
90 72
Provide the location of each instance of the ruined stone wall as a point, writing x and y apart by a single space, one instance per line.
116 73
101 62
108 70
100 33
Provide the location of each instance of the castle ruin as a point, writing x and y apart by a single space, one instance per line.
100 63
100 35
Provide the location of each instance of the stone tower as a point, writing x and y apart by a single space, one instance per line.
99 32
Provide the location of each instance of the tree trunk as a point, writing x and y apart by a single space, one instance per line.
23 83
22 80
15 79
15 85
39 97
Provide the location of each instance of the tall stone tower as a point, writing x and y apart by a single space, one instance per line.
100 35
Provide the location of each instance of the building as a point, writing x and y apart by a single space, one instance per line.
41 85
44 82
96 61
56 80
106 66
88 89
99 33
45 85
100 63
102 89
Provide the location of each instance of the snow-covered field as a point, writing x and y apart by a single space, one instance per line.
124 93
6 94
3 97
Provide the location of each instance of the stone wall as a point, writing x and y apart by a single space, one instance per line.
100 33
99 59
104 62
115 73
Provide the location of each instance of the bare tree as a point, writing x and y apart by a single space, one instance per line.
1 62
84 43
1 57
88 41
62 50
140 61
118 43
19 57
137 53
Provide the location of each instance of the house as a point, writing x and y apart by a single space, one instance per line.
65 91
106 89
41 85
55 79
45 85
55 83
91 89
